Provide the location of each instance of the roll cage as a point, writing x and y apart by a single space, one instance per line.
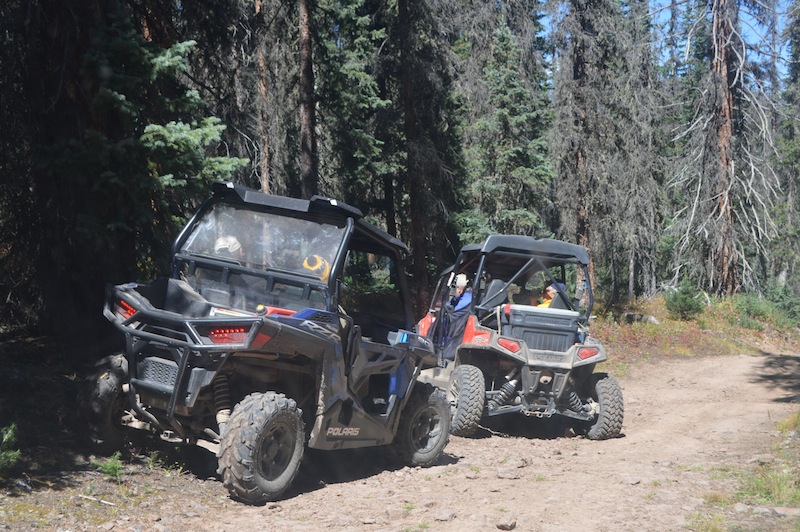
503 265
280 236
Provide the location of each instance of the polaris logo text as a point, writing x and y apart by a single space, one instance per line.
343 431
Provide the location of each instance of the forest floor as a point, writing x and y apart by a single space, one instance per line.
700 445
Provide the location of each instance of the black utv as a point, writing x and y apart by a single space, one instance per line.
509 321
284 323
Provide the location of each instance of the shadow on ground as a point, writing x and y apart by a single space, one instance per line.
782 372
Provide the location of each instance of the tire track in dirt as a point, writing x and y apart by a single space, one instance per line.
686 422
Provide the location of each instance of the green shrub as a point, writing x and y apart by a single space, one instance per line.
8 440
683 303
785 301
110 467
746 322
753 306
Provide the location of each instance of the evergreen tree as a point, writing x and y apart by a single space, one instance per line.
585 131
247 73
309 160
635 221
432 164
606 140
122 153
355 161
785 247
727 181
509 170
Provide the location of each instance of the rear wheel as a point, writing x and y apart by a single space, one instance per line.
466 394
424 427
605 395
101 405
260 452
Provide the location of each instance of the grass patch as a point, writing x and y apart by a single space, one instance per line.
111 467
722 472
790 424
707 523
777 483
772 485
718 499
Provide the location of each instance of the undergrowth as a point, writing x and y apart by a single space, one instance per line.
111 467
777 483
738 325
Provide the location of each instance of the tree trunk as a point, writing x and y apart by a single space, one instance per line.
261 116
723 254
582 210
309 164
416 179
388 195
631 273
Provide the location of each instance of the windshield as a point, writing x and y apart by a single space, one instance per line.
264 240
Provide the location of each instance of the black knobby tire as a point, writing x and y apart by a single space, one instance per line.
260 452
466 394
424 427
101 405
605 391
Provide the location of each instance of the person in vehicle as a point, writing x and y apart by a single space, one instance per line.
456 314
549 293
463 296
228 246
318 266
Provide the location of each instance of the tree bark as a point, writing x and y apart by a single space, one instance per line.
723 254
416 179
261 116
309 163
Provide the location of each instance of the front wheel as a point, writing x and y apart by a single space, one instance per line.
424 427
101 405
604 394
260 452
466 394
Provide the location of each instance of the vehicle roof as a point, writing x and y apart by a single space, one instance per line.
526 245
318 207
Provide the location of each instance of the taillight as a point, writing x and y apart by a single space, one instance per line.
228 335
125 309
587 352
511 345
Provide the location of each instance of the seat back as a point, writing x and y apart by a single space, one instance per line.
494 295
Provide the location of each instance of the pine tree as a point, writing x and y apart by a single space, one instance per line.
785 247
355 160
584 131
606 141
309 160
429 134
509 170
723 220
123 151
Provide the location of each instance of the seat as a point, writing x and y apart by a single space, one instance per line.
560 303
494 295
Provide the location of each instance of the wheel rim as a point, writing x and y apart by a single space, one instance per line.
426 429
276 450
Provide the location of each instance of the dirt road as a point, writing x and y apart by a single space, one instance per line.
688 424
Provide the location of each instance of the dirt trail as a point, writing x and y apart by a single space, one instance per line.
686 423
685 420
